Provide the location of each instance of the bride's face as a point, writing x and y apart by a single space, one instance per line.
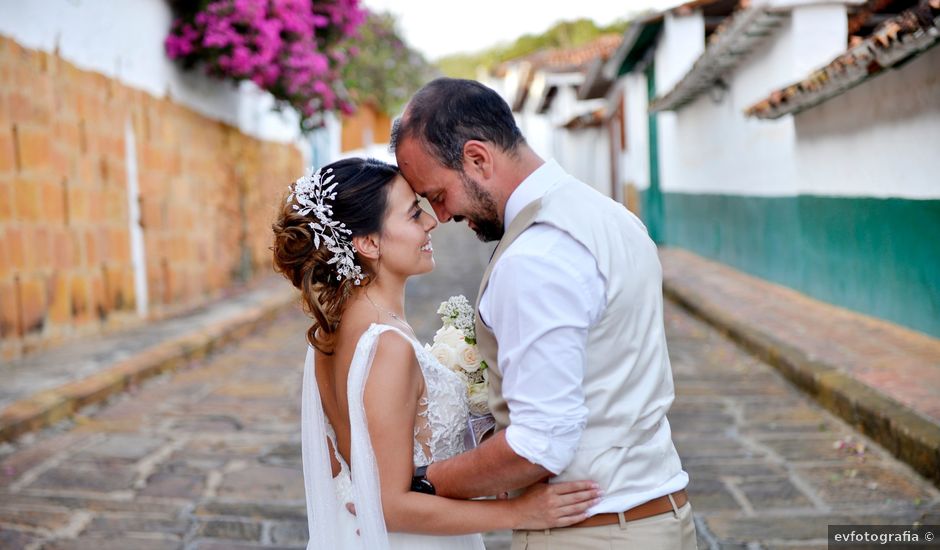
405 245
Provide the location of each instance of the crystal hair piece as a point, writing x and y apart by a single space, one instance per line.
310 194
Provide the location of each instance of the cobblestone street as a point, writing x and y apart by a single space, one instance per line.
209 457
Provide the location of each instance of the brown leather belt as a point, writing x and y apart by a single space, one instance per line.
651 508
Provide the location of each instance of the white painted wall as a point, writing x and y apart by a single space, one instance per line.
875 140
709 146
878 139
537 130
124 40
822 30
635 159
681 44
583 153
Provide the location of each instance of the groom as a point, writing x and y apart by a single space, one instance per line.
569 320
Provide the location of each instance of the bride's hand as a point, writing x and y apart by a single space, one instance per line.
553 505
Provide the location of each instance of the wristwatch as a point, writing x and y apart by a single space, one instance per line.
420 483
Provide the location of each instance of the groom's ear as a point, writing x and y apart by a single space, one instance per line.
477 158
367 246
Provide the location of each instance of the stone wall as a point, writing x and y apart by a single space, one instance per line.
207 194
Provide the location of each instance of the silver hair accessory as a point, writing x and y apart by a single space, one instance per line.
310 194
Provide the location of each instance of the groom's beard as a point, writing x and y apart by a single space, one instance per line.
484 216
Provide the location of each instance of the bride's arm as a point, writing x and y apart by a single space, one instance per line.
391 399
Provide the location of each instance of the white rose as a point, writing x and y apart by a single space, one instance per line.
445 354
450 336
469 357
478 399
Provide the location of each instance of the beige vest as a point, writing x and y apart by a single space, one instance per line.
626 444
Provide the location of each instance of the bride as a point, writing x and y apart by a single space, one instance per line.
376 404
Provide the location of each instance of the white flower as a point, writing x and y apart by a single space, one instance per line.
457 312
450 336
469 357
478 398
445 354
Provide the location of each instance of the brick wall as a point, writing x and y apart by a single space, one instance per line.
207 197
367 126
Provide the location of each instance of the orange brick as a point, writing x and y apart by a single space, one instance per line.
60 303
113 144
116 207
92 256
6 264
13 242
59 161
67 135
9 316
25 199
128 290
96 208
7 156
81 311
63 246
35 144
33 302
53 203
99 301
78 204
19 105
85 168
103 243
151 213
6 201
34 107
41 245
119 245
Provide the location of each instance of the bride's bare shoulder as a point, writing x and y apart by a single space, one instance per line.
357 319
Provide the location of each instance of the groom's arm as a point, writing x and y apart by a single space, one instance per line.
490 469
540 307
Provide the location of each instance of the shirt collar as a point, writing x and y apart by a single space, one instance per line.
545 178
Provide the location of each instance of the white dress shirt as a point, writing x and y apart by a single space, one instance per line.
542 329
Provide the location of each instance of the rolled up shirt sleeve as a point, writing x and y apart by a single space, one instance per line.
540 302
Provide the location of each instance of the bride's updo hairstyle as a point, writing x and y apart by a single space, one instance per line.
302 255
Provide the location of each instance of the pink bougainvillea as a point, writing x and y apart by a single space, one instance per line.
291 48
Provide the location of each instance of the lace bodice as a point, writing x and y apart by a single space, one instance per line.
444 410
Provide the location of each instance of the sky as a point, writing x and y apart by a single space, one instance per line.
441 27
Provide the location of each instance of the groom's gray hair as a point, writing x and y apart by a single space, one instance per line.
448 112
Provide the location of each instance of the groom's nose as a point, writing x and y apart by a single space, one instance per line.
442 214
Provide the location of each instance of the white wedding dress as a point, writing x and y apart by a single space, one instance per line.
439 434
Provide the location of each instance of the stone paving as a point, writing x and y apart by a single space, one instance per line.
209 457
770 468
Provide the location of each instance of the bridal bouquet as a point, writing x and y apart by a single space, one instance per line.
455 347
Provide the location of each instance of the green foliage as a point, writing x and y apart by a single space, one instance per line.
565 34
383 69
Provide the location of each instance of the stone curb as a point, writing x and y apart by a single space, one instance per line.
901 430
47 407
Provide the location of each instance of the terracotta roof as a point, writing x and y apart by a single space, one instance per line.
573 59
893 42
561 60
587 120
732 41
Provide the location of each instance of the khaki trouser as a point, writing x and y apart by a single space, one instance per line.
670 531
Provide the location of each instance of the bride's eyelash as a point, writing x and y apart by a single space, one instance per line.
417 214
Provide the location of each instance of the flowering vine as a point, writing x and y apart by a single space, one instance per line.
293 49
